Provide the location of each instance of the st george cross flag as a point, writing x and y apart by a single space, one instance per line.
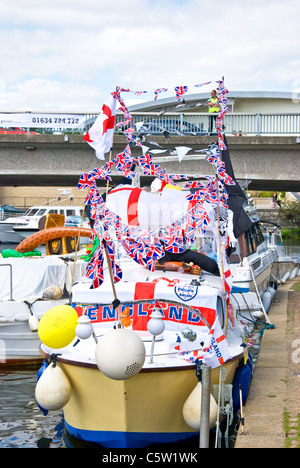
100 135
215 348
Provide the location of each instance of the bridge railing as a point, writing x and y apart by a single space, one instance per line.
199 123
176 123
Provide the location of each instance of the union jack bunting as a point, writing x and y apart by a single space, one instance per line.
127 119
110 246
180 91
202 84
94 270
158 91
144 246
123 161
85 181
129 133
138 93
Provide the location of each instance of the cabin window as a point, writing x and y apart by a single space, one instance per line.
70 212
254 238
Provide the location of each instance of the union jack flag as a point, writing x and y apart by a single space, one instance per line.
180 90
123 161
138 93
94 269
85 181
158 91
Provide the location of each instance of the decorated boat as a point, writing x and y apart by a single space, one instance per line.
122 359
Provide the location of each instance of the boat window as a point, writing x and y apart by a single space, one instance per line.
85 216
250 241
31 212
254 237
41 212
51 211
70 212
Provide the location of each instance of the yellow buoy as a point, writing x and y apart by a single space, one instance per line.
57 326
53 389
192 409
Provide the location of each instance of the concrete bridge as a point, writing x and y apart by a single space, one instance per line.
269 162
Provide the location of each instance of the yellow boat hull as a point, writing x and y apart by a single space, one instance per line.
137 412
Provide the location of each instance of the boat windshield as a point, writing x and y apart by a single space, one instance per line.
35 212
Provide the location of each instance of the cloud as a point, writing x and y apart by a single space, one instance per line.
73 53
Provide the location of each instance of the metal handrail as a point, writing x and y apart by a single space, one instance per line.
236 123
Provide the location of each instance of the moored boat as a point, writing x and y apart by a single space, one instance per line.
15 229
29 287
123 367
286 266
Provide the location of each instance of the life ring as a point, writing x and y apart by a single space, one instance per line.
45 235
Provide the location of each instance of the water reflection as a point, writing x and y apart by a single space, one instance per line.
21 422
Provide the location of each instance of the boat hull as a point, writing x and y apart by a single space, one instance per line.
285 269
18 344
133 413
243 280
8 235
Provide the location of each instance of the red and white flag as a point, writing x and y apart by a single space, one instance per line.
100 135
215 348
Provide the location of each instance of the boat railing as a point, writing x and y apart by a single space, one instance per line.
291 250
10 278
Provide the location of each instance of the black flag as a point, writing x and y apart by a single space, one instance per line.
236 198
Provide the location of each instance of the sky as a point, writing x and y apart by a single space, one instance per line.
68 55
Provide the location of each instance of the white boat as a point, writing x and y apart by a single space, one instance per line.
252 262
30 286
286 266
15 229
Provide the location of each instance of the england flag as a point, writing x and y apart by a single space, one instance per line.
100 135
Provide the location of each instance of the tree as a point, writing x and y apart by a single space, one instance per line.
290 211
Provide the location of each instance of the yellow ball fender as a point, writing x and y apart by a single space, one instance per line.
57 326
53 389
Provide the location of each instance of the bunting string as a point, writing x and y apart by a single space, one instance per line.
148 246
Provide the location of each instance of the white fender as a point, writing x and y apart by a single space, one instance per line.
120 354
266 300
192 409
53 389
33 323
285 277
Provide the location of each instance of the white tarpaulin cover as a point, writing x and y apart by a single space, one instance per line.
32 275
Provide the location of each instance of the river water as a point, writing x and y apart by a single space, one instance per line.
22 424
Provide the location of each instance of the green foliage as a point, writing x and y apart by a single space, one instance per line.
290 211
266 194
286 233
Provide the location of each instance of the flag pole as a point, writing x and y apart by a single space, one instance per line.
221 259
